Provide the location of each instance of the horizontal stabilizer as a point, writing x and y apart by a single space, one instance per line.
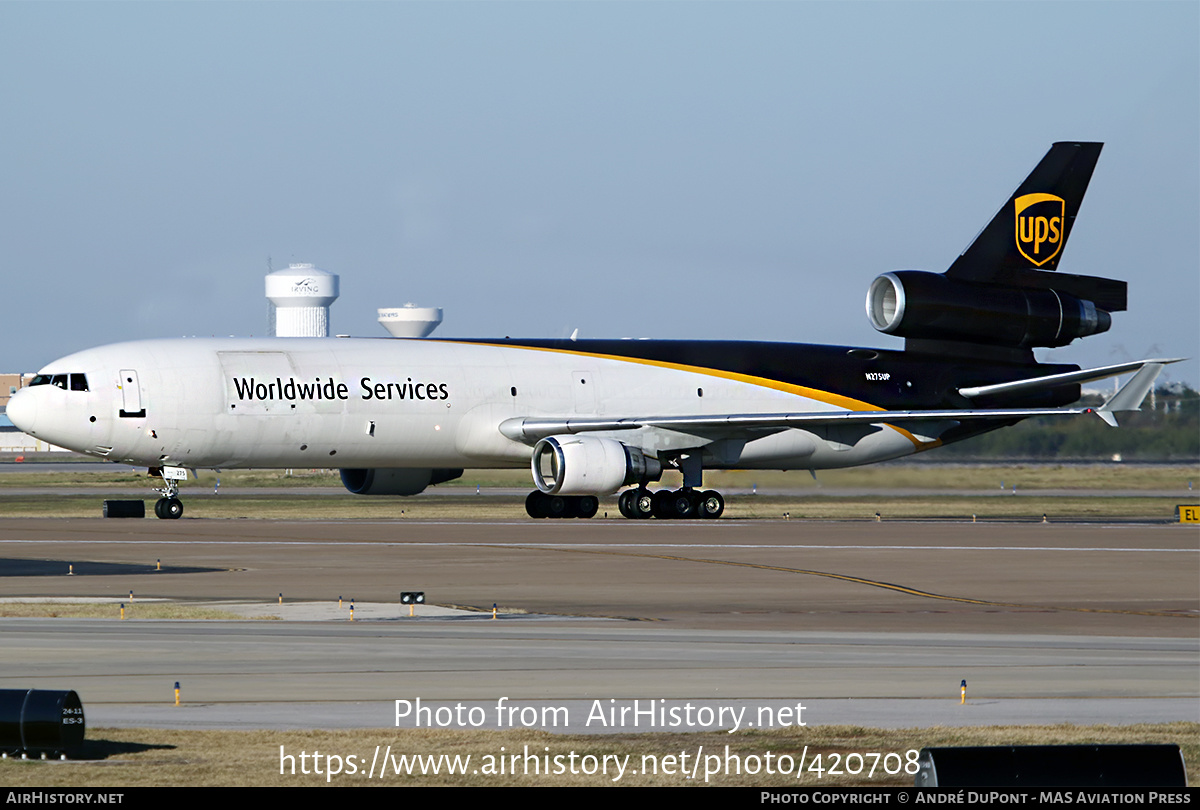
1108 294
1068 378
1130 397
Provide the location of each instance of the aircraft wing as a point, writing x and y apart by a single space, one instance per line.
533 429
1129 398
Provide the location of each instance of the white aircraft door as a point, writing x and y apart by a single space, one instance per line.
131 394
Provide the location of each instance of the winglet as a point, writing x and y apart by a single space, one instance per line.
1130 397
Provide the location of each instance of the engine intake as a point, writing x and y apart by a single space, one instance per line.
931 306
587 465
394 480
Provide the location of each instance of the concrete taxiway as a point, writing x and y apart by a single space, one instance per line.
872 624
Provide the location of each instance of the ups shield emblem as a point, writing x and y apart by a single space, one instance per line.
1039 226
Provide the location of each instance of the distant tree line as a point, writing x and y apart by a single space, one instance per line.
1166 429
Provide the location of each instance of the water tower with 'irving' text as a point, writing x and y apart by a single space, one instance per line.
299 301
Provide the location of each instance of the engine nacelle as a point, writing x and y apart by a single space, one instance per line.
394 480
914 304
587 465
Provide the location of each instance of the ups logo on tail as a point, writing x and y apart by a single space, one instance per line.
1039 227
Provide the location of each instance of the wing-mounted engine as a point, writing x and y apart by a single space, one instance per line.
589 465
1003 297
394 481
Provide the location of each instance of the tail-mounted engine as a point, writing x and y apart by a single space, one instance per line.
587 465
931 306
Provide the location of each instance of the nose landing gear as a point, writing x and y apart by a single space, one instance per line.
168 507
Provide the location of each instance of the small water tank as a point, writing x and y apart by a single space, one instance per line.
410 320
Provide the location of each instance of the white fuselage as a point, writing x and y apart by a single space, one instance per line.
384 403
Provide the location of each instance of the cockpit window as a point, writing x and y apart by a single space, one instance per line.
72 382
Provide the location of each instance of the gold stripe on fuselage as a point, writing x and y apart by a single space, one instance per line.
828 397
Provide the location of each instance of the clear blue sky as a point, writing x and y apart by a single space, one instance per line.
667 170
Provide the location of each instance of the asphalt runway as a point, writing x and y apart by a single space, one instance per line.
867 623
517 494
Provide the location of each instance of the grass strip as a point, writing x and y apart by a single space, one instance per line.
112 610
877 476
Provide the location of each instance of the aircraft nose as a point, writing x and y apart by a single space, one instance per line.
22 412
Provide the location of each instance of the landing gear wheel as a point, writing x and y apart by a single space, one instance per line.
587 506
642 504
558 506
540 505
535 505
664 508
711 505
625 503
681 504
168 508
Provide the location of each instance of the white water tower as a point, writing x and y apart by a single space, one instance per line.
300 297
410 320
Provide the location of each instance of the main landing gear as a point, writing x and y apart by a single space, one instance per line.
540 505
638 503
689 501
667 504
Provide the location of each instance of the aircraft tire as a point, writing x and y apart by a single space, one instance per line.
681 504
642 504
712 504
158 508
535 505
172 508
559 507
625 504
587 506
664 509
